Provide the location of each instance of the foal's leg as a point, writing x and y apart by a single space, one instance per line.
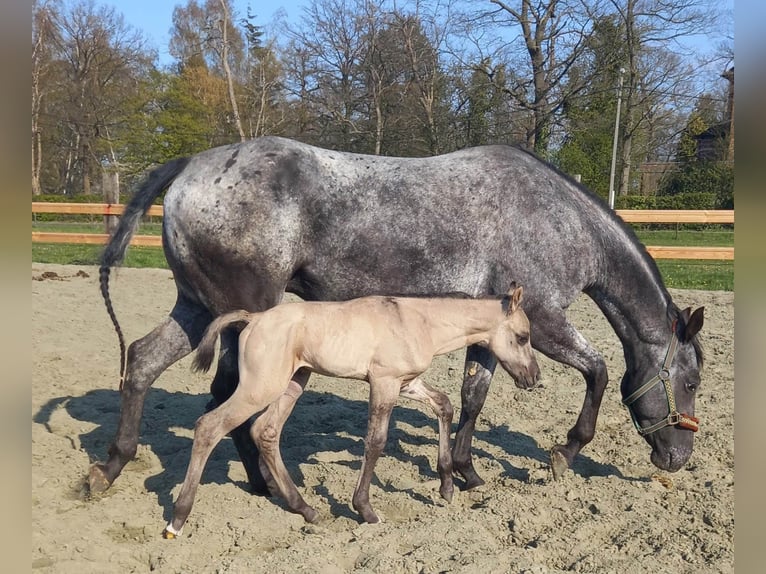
266 432
223 385
383 395
555 337
208 432
479 366
147 358
440 403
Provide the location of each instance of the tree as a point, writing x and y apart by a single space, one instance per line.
552 34
329 45
263 83
654 73
702 177
589 115
43 37
421 37
94 59
204 36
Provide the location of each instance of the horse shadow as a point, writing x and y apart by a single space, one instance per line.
321 422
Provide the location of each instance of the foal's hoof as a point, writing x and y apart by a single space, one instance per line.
97 481
447 491
171 533
472 480
559 464
310 515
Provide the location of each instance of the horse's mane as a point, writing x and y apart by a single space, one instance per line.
607 212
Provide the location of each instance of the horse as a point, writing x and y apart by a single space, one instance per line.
387 341
245 222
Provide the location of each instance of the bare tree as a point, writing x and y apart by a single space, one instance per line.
423 33
43 32
552 34
654 72
98 60
225 23
331 41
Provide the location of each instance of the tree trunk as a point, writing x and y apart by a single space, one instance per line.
227 69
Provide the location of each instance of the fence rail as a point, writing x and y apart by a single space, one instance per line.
628 215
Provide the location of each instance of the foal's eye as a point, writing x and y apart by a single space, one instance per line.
522 339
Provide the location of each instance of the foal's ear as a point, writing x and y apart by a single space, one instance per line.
689 323
516 294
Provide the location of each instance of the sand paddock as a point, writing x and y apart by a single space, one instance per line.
613 511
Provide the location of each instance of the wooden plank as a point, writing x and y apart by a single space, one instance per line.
656 251
628 215
92 238
669 252
676 215
88 208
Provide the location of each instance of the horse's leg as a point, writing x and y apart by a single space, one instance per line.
208 432
266 432
440 403
383 395
223 385
555 337
147 358
479 366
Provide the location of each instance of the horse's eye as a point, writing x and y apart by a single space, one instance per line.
692 387
522 339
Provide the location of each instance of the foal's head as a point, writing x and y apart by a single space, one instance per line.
510 342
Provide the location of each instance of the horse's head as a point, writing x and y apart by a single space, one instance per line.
660 396
510 342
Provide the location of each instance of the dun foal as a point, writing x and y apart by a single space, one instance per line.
387 341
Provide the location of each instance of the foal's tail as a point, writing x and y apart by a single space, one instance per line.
114 252
206 349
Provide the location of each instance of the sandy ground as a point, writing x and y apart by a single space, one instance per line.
612 512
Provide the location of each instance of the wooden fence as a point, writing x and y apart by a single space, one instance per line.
628 215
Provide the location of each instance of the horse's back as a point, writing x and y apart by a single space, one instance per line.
272 212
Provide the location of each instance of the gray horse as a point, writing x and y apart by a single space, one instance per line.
246 222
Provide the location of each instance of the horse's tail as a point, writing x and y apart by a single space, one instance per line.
114 252
206 349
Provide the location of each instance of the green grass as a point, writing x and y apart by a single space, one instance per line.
65 254
85 227
677 273
686 238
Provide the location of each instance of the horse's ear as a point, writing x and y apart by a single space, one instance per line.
690 323
516 294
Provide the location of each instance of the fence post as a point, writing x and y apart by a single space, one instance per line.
111 186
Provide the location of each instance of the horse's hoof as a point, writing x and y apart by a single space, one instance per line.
97 481
447 492
559 464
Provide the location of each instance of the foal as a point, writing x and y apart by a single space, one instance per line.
387 341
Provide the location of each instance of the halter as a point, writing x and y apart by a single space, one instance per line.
683 420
